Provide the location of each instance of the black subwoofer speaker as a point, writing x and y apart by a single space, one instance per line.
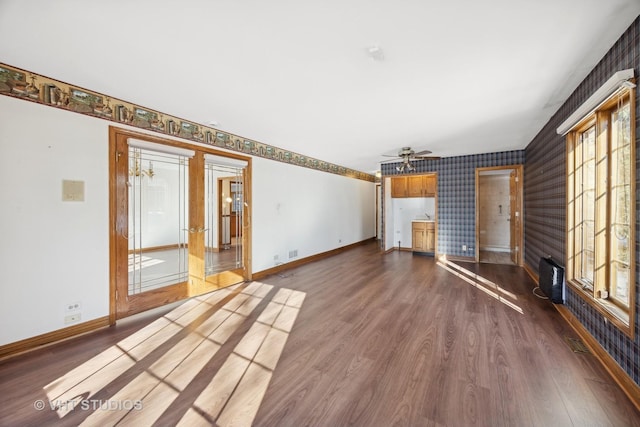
551 280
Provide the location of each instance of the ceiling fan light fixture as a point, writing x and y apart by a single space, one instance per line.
406 166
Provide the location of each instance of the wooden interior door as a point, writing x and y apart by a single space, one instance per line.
152 192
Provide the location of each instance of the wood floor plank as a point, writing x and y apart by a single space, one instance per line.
361 338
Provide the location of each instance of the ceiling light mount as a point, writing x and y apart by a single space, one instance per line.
376 53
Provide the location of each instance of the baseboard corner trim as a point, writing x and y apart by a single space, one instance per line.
39 341
531 273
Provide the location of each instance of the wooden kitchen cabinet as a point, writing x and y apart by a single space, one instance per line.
423 236
414 186
431 237
430 185
419 232
399 187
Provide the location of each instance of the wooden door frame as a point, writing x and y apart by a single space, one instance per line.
118 222
520 206
514 219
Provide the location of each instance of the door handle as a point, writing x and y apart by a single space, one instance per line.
194 230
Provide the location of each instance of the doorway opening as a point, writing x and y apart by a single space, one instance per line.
499 215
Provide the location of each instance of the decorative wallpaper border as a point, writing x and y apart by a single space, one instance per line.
30 86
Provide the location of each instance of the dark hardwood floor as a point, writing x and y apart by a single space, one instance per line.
359 338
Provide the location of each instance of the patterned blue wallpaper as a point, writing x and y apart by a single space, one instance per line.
545 203
457 194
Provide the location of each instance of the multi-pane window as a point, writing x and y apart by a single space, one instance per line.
601 209
585 206
620 188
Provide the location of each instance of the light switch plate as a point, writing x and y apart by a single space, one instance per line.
72 191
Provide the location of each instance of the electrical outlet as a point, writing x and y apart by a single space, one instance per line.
464 248
73 306
72 318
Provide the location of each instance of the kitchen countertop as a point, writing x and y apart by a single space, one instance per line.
423 220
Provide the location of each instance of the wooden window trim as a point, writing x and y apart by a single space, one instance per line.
622 318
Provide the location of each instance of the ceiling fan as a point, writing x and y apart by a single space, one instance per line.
406 154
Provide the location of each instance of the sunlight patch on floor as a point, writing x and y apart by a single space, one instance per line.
234 394
488 287
138 262
236 390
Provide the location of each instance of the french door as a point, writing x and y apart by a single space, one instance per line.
167 212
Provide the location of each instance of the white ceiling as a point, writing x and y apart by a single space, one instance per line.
458 77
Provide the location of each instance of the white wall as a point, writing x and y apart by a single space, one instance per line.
54 253
404 211
306 210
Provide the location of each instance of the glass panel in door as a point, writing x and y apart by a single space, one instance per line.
158 203
224 210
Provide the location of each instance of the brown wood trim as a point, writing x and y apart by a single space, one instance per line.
154 298
282 267
33 343
247 220
630 388
114 158
196 225
531 273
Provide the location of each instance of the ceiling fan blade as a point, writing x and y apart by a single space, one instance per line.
394 160
426 157
422 153
406 154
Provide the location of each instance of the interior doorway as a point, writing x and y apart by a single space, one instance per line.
165 210
499 215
